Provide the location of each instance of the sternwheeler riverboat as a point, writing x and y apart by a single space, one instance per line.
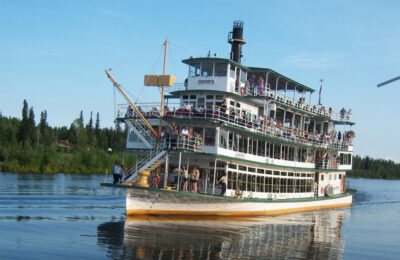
233 140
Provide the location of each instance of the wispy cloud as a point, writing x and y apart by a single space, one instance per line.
315 60
111 13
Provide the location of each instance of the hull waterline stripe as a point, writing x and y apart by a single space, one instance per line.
232 213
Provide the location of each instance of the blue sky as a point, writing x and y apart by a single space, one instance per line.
53 53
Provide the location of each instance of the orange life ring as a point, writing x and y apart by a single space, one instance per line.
155 180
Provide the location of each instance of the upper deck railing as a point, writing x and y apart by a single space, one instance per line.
343 115
263 126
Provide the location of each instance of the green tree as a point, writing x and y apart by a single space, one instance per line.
22 134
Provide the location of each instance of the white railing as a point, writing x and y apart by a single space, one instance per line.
282 98
262 127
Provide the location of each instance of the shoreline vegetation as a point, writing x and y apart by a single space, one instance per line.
38 148
27 147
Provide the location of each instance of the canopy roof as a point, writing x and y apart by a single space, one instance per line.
287 83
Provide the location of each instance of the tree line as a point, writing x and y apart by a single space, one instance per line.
83 148
80 148
368 167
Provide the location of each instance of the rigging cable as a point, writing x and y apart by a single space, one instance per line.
157 60
133 58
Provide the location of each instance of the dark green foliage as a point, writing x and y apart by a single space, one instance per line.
374 168
25 147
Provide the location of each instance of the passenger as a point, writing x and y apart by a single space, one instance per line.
117 173
222 180
260 85
348 114
185 136
129 112
253 85
199 110
194 178
330 112
223 108
174 135
185 178
175 174
342 113
163 136
188 106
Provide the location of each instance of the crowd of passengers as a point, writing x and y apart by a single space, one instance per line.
185 138
261 124
189 179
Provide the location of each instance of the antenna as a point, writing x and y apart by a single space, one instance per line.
388 81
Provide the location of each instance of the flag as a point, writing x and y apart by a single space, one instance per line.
320 92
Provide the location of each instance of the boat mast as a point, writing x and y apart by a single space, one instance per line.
162 91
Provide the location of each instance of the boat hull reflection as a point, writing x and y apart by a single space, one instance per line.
305 235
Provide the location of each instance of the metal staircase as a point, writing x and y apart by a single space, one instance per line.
150 162
142 131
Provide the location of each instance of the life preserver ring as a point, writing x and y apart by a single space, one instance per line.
155 180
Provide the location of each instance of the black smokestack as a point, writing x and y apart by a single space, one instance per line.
235 38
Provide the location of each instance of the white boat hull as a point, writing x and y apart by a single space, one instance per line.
162 202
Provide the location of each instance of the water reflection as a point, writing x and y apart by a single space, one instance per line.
310 235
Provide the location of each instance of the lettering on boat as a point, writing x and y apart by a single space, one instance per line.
206 81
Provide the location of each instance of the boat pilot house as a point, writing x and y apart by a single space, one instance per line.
235 140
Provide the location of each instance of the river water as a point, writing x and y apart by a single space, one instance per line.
70 216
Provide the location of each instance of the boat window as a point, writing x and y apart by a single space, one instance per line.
209 136
207 69
242 168
223 135
276 173
251 169
322 177
192 96
221 164
243 76
260 184
200 101
232 71
260 171
210 97
185 97
288 119
340 176
283 173
269 172
219 97
194 70
220 69
290 173
231 180
232 166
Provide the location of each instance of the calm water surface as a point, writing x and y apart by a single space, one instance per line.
71 216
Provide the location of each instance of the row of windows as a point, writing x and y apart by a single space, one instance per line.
268 184
345 159
267 172
207 69
245 144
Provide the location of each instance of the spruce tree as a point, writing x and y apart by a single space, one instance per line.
23 126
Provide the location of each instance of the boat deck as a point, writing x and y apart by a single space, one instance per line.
204 195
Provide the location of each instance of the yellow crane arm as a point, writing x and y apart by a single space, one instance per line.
117 86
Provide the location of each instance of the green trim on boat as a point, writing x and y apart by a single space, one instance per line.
123 186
